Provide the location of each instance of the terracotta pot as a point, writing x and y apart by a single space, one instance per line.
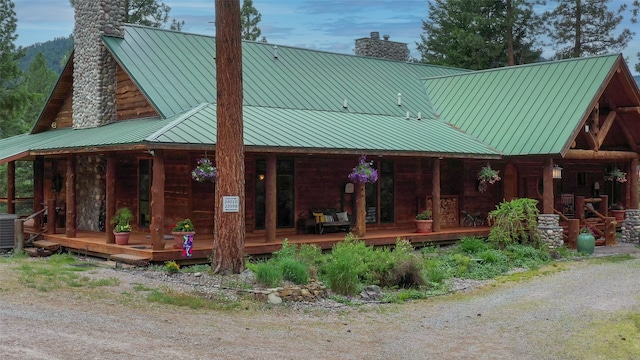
122 238
178 238
618 214
424 226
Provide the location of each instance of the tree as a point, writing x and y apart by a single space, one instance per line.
249 19
638 64
12 95
148 13
229 232
480 34
38 81
584 28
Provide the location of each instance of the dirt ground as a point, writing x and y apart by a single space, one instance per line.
540 318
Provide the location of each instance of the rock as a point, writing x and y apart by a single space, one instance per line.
371 293
273 298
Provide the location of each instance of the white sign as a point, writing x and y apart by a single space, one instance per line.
231 204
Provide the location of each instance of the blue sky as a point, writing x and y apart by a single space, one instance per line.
328 25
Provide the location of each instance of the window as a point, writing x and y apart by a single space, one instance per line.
380 196
284 194
144 192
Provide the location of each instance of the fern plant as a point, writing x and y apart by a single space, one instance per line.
515 222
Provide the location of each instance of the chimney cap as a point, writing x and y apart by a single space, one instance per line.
386 37
375 35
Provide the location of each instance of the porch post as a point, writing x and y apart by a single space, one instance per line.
157 201
110 198
51 216
271 206
11 187
361 210
435 194
70 222
38 189
632 187
547 186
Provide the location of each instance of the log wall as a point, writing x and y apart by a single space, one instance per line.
130 101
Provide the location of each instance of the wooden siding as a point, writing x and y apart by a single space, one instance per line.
130 101
64 117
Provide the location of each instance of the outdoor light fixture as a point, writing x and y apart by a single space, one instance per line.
557 172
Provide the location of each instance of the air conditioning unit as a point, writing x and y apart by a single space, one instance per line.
6 230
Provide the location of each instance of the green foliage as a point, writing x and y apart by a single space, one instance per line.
267 273
579 28
249 19
425 215
121 220
472 245
294 271
475 34
171 267
56 53
515 222
404 295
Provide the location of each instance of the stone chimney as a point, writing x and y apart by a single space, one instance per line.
94 71
374 47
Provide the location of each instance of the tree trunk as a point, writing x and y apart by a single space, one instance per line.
229 232
361 210
510 58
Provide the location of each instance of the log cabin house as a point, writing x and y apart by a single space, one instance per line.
134 109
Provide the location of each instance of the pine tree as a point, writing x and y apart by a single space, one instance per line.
480 34
38 81
13 97
585 28
249 19
148 13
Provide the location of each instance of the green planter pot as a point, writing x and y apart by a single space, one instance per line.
586 243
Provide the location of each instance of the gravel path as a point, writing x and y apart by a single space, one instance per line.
533 319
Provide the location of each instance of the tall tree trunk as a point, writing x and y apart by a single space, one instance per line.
229 232
577 46
510 58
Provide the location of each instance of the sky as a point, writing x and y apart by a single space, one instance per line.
327 25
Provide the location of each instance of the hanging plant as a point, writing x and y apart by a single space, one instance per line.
487 176
205 171
364 172
616 175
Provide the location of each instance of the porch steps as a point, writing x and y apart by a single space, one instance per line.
130 259
47 245
38 252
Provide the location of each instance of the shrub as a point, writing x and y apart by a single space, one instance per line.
171 267
515 222
268 273
473 245
295 271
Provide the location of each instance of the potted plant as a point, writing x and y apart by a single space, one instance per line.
487 176
586 241
181 231
424 223
205 171
122 229
618 211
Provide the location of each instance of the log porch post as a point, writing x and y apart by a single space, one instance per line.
51 216
632 188
157 201
110 198
361 210
70 222
38 189
11 187
435 194
547 186
271 199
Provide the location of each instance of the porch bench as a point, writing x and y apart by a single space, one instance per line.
331 220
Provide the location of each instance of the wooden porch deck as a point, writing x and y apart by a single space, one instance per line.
94 243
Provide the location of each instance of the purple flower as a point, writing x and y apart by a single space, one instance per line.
205 171
364 172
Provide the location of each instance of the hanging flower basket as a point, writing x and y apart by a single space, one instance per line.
205 171
487 176
364 172
616 175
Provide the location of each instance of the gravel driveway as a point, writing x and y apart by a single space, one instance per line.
541 318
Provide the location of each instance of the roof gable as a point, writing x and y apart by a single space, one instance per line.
523 110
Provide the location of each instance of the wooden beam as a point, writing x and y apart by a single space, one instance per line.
633 184
576 154
110 197
547 186
629 109
360 228
592 142
628 135
70 207
11 187
435 194
271 205
606 126
157 201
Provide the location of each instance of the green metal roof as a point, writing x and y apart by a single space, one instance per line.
522 110
177 71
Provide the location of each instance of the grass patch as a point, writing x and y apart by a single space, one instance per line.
611 259
615 338
191 301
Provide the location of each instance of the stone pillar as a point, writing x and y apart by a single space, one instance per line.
631 226
94 70
550 230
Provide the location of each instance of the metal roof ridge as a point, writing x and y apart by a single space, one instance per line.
179 119
515 67
339 112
